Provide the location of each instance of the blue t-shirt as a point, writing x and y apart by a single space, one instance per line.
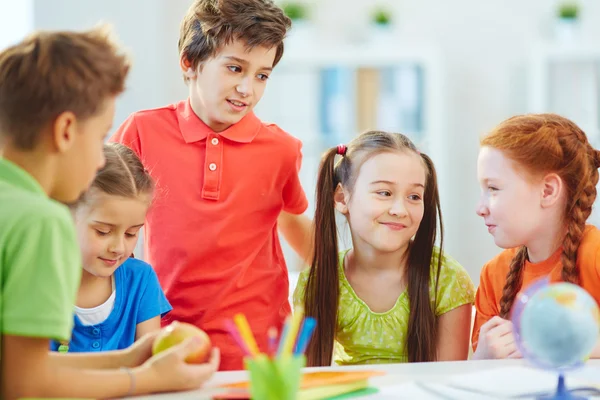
138 298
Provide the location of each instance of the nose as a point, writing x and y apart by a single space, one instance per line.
117 245
244 88
398 209
482 209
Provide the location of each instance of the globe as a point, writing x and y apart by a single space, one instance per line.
556 325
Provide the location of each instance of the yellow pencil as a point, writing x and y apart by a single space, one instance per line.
292 334
246 334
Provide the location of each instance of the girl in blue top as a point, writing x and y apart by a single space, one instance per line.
120 298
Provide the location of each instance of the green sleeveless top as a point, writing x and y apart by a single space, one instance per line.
367 337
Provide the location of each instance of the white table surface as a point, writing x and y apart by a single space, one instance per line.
395 374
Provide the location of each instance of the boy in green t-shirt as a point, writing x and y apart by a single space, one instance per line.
57 102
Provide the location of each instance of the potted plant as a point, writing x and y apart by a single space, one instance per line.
300 33
382 17
295 11
567 23
568 11
381 24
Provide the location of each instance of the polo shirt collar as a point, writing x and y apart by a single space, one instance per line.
193 129
16 176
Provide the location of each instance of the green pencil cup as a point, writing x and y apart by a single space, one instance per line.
275 379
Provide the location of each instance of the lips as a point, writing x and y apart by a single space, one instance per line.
109 262
395 226
237 103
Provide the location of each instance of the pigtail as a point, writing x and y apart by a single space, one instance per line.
422 323
322 289
514 280
578 215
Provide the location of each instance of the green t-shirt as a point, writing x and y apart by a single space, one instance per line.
40 260
367 337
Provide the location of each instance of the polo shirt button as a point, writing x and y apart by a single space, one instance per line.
95 345
215 141
96 331
212 166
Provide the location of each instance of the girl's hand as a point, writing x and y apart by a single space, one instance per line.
167 371
496 340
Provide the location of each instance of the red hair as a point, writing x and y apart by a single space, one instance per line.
549 143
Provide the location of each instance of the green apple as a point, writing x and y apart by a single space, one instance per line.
176 333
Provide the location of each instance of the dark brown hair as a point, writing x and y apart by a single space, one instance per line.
49 73
123 175
542 144
322 289
211 24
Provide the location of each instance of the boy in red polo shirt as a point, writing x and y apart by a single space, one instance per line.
225 180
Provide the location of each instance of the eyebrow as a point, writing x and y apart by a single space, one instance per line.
393 183
244 62
113 225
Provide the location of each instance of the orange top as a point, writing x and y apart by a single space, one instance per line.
493 276
211 234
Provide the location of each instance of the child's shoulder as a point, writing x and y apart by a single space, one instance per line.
162 112
135 268
590 242
448 261
26 207
278 135
499 264
449 265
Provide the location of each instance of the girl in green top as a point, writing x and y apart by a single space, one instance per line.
395 296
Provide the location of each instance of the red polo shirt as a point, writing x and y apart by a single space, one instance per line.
211 233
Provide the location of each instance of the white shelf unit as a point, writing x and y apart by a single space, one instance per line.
292 96
565 79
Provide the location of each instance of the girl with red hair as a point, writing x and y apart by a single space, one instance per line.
538 175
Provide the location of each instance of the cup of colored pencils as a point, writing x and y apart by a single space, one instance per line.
275 374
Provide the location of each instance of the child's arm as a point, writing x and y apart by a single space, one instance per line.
147 327
454 329
133 356
27 371
298 232
153 304
496 340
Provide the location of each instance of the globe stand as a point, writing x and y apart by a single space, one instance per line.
561 392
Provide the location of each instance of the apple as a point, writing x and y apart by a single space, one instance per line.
176 333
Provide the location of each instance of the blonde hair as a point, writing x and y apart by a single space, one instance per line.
123 175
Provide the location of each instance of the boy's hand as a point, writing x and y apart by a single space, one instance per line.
168 371
496 340
140 351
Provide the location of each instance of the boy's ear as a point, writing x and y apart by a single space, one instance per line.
63 131
186 67
340 199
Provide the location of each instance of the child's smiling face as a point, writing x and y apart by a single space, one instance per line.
386 205
226 87
108 229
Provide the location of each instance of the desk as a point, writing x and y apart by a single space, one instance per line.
395 374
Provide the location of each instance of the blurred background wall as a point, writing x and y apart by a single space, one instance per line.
443 72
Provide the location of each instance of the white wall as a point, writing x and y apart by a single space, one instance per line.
485 46
16 20
146 28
